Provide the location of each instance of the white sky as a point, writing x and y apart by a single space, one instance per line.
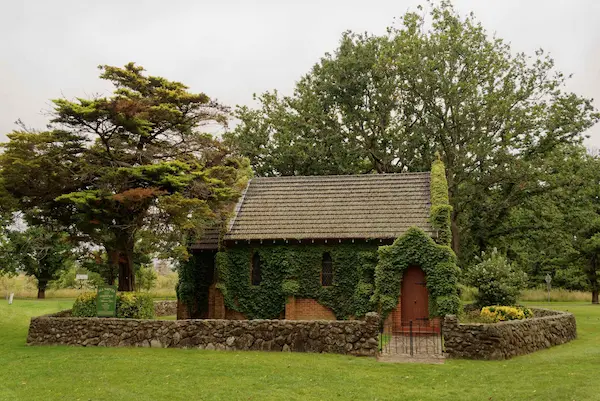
232 49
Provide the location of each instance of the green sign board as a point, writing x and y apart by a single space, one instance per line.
106 302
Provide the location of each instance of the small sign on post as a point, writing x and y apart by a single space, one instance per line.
548 279
106 301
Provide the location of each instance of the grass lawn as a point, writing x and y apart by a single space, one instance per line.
567 372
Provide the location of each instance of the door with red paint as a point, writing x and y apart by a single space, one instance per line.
414 297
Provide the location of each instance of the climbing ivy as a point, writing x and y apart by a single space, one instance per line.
416 248
440 206
195 277
366 277
295 270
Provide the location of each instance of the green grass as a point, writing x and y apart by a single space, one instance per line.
566 372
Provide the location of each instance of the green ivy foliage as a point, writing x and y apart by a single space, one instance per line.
195 278
440 206
416 248
296 270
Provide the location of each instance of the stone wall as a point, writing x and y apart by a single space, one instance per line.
356 337
165 308
504 340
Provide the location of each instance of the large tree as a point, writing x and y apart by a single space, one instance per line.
136 165
40 252
432 84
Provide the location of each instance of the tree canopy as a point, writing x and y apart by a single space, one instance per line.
433 83
115 170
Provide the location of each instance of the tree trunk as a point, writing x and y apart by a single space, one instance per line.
42 284
126 269
113 264
593 277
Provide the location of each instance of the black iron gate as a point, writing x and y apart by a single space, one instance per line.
411 338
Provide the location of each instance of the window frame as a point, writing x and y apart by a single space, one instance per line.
330 273
254 260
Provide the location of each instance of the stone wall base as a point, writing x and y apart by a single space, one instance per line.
356 337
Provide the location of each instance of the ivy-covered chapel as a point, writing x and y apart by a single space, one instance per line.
328 247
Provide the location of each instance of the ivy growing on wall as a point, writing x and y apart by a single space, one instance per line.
195 277
366 277
439 215
295 270
416 248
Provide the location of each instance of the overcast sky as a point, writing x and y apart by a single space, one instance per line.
232 49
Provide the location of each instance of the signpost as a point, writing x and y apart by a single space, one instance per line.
106 301
80 279
548 279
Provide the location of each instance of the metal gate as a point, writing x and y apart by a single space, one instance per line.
411 338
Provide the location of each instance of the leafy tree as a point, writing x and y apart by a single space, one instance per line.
497 280
146 277
41 253
584 220
131 167
388 103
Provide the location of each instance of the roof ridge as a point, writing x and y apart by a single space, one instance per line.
370 175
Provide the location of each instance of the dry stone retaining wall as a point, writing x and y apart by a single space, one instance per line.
165 308
354 337
504 340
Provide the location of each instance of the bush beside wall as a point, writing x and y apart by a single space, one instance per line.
130 305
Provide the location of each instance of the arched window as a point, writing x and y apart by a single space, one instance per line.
326 270
256 269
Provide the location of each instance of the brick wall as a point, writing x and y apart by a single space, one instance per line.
307 309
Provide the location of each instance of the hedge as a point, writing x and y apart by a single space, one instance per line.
130 305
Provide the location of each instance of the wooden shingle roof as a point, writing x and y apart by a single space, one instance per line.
337 207
209 240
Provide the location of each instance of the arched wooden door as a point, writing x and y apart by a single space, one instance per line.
414 298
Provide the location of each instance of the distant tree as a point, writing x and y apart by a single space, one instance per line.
41 253
388 103
118 170
583 214
555 232
146 277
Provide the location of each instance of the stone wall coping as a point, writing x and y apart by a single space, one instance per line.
65 314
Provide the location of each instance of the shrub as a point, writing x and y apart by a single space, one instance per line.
498 282
85 305
130 305
504 313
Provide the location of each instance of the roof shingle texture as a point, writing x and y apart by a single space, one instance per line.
337 207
